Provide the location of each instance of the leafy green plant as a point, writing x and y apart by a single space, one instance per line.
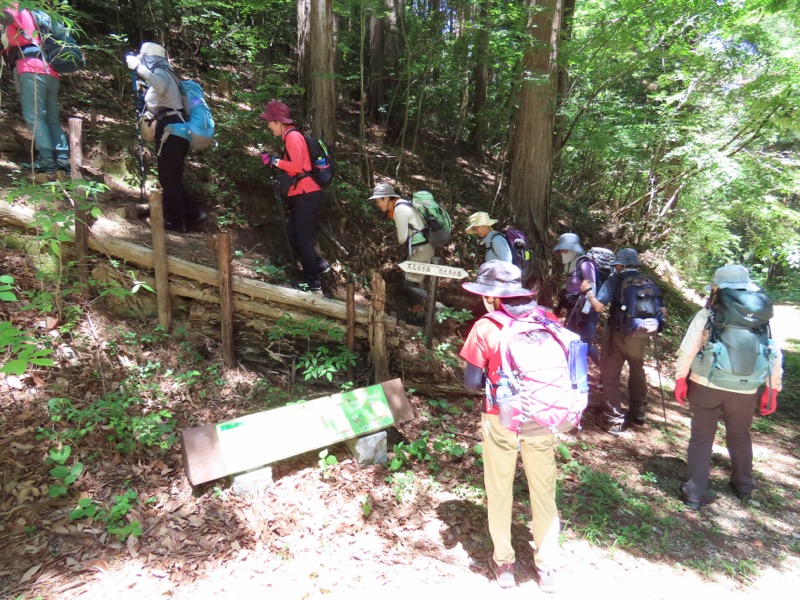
366 505
21 351
64 475
113 518
326 461
406 453
459 316
6 289
324 363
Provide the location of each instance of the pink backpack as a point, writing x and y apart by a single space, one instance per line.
545 365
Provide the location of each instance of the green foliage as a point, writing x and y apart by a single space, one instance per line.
323 363
64 475
21 351
326 461
130 415
113 518
406 453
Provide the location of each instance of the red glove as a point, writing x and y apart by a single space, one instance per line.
769 402
681 390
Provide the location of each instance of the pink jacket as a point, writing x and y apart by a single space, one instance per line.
21 33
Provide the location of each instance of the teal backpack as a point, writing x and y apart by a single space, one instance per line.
438 226
738 354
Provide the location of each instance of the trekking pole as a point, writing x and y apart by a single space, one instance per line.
660 386
276 188
138 101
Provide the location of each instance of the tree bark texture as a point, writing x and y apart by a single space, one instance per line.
321 82
532 149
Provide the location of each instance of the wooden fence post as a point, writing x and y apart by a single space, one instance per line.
160 260
226 297
351 324
430 307
377 333
81 214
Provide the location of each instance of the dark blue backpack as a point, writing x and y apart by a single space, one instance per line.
639 306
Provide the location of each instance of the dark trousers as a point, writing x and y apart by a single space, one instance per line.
302 230
179 208
737 413
617 350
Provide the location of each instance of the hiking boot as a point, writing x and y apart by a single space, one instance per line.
504 573
615 430
637 421
744 497
324 268
39 165
690 504
547 580
312 287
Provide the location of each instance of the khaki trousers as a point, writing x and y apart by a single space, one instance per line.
500 447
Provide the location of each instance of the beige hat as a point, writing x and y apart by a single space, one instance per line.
479 218
152 49
383 190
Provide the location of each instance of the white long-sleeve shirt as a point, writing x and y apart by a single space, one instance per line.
693 342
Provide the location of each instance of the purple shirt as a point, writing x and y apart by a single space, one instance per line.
585 270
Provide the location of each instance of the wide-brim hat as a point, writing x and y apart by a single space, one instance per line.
277 111
627 257
734 277
383 190
478 219
152 49
570 242
498 278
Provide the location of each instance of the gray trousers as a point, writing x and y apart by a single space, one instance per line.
617 350
737 413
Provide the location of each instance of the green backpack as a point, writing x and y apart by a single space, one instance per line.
438 226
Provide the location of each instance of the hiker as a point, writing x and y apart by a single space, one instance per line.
497 247
620 346
499 285
703 379
578 267
37 84
164 101
299 187
410 227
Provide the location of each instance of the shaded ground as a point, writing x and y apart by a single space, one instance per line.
625 532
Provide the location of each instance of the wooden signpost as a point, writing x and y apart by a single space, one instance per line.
433 271
256 440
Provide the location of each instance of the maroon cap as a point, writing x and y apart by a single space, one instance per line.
278 111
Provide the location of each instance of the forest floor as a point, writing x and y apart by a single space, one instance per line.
346 531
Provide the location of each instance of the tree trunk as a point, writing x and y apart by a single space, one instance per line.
532 148
321 83
478 133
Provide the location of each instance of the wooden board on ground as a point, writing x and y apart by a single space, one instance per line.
252 441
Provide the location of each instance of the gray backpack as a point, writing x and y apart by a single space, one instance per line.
738 354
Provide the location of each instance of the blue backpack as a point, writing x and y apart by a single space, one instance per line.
199 129
639 306
57 46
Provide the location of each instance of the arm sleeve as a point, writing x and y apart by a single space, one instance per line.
297 160
159 79
776 373
402 218
501 247
589 273
693 340
473 377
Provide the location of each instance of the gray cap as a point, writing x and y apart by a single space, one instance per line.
383 190
627 257
498 278
735 277
569 241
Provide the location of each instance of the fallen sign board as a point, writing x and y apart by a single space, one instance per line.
410 266
252 441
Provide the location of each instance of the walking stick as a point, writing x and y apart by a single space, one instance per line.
138 100
578 302
276 188
660 386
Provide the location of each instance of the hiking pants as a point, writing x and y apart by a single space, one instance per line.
737 413
500 448
179 208
39 98
301 228
422 253
617 350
